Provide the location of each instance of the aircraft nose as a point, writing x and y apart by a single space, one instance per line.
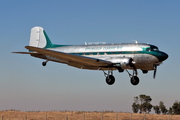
163 57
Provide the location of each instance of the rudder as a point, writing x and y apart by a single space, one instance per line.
39 38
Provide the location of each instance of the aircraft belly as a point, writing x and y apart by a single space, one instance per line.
145 67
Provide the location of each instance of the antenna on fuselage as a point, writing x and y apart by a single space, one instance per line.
136 41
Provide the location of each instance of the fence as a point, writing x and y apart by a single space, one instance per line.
85 116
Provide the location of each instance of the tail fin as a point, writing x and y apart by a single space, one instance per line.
39 38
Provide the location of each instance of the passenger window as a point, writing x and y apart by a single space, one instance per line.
116 52
101 53
94 53
109 53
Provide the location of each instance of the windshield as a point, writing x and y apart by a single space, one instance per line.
152 48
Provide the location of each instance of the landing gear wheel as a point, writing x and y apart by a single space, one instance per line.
134 80
110 80
44 63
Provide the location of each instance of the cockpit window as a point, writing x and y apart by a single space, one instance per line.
154 49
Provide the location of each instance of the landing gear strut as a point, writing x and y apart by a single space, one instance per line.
133 78
109 77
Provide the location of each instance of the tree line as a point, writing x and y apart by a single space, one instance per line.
142 103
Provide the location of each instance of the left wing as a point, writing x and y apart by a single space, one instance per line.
72 60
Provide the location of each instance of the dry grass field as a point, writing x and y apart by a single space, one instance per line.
55 115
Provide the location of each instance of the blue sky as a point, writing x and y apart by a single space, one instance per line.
26 85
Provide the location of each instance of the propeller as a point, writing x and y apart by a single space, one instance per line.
155 69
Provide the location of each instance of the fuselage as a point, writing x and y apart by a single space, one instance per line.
143 55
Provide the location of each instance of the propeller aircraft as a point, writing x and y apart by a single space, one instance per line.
98 56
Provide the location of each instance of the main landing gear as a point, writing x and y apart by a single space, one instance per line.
110 80
109 77
133 78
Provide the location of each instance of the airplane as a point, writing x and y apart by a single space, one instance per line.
97 56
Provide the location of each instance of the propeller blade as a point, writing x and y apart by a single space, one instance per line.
155 69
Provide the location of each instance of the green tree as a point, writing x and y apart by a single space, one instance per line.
170 110
162 107
157 109
145 105
142 104
176 108
136 100
135 107
148 107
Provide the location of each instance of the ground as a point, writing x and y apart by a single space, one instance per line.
79 115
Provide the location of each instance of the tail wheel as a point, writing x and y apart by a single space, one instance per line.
110 79
134 80
44 63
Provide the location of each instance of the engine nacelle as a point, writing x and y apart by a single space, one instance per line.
122 62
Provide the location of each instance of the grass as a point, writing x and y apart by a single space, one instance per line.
79 115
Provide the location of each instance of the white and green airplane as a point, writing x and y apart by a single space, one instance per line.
104 57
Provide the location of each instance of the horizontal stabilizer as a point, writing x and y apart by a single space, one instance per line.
24 52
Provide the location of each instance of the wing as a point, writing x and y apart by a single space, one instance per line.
72 60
